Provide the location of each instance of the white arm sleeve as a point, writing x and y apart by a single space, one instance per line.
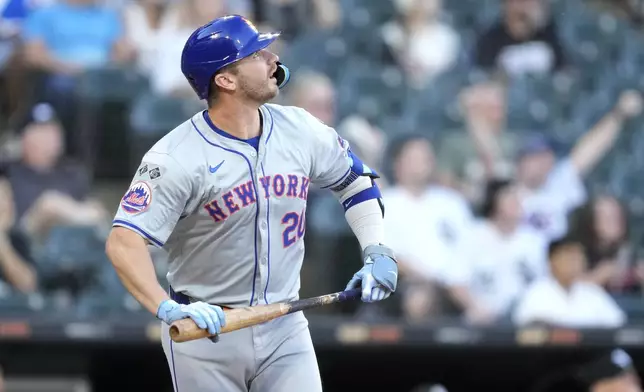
365 219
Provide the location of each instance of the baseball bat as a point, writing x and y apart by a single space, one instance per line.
186 330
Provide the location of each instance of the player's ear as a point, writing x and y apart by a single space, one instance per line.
225 81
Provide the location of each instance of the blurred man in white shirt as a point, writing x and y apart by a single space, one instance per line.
498 258
550 190
564 299
424 224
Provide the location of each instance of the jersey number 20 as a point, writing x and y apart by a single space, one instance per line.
293 222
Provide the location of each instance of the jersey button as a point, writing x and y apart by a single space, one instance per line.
264 260
264 225
253 153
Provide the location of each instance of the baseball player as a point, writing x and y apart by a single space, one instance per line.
225 195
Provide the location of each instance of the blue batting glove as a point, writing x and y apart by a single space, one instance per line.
206 316
379 276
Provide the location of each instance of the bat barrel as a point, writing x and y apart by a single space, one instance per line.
185 330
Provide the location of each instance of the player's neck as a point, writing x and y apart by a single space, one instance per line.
236 119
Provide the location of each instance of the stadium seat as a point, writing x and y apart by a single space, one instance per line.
71 259
155 115
379 11
371 91
322 51
152 116
632 305
111 84
15 303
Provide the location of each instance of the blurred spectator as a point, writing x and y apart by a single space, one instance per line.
422 44
150 23
368 142
142 23
603 228
611 372
614 372
429 388
565 299
1 381
524 41
244 8
69 37
498 258
485 150
15 257
314 92
294 17
179 21
13 14
12 74
550 192
47 190
632 10
424 224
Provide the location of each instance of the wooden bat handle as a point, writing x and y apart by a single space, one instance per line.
185 330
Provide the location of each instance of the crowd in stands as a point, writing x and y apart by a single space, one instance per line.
506 134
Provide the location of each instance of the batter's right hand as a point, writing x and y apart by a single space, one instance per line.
206 316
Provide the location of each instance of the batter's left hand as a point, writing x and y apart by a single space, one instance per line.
379 276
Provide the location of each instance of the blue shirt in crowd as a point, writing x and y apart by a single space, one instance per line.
81 34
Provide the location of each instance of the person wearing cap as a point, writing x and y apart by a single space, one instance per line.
551 190
611 372
47 189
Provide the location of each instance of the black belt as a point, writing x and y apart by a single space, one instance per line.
183 299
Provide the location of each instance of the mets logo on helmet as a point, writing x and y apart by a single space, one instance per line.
137 199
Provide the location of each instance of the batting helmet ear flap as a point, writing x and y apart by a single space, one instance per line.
282 74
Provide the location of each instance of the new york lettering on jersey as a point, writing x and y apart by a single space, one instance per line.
243 195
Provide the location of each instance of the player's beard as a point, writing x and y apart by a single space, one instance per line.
259 92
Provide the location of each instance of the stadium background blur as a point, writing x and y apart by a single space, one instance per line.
498 127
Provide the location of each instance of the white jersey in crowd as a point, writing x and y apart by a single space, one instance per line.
232 218
424 230
584 305
547 208
496 267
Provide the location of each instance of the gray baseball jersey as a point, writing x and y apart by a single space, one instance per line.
232 216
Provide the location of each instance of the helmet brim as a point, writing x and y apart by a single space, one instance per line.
262 42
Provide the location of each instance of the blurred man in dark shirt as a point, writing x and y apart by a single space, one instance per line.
611 372
47 190
524 41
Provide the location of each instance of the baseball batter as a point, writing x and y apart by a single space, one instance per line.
225 194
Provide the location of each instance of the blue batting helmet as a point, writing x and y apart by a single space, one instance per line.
219 43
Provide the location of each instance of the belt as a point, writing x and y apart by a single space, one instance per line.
184 299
